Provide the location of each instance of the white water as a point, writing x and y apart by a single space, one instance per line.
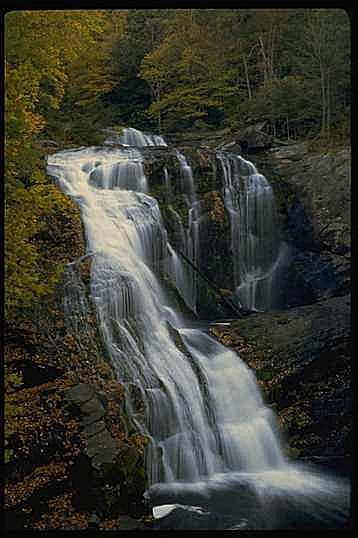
133 137
200 404
255 243
181 273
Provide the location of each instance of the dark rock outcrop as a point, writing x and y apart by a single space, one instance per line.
322 181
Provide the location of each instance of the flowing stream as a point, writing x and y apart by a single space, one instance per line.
215 451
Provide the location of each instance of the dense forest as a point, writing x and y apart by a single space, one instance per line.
72 74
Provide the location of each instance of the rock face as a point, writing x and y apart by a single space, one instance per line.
323 183
302 361
215 259
313 193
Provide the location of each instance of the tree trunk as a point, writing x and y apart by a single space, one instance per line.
271 52
328 122
288 128
268 55
324 106
159 116
248 86
264 57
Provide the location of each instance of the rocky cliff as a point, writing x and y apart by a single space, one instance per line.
313 193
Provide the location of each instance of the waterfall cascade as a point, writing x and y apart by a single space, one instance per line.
255 242
188 236
208 425
133 137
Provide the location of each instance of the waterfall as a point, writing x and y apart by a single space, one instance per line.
133 137
208 426
184 276
256 247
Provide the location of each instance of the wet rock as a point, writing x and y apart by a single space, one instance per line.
92 411
300 230
290 153
100 441
183 517
80 394
94 428
104 459
128 523
322 184
325 274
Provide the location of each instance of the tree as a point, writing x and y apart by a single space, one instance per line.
43 68
185 73
325 58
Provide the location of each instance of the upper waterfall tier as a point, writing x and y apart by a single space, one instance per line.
134 137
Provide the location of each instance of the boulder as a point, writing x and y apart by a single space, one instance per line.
253 138
80 394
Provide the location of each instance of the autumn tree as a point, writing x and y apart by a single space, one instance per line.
43 52
185 73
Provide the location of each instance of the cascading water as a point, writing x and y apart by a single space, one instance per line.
255 243
133 137
184 276
213 442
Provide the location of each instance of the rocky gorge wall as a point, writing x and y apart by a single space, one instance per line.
312 193
215 259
